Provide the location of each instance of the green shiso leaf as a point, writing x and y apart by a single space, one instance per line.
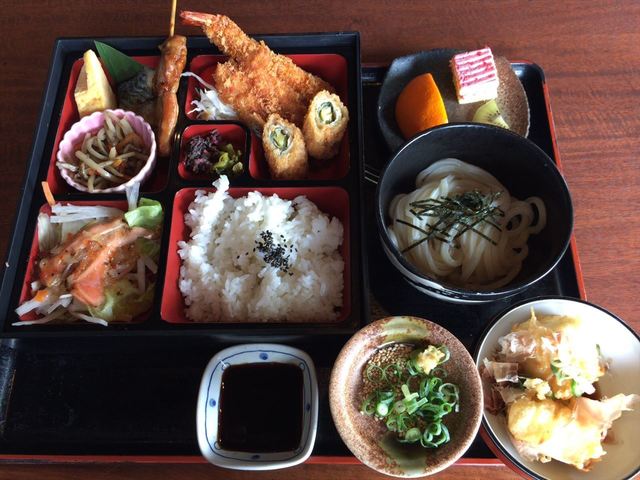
121 67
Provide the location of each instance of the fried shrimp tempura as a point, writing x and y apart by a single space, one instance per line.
255 81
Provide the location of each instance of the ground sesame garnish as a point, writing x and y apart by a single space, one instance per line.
382 358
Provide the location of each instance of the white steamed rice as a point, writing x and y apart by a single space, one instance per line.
224 277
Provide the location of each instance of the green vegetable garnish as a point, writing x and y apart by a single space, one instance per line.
575 390
326 113
411 403
124 302
561 376
121 67
556 369
229 161
281 139
148 247
147 215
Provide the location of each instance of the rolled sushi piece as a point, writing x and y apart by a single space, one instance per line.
284 149
324 125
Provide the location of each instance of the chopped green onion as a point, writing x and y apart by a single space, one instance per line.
392 424
447 354
412 435
388 373
367 405
382 409
371 370
399 407
412 403
575 390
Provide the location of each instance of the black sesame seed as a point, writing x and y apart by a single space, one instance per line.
273 253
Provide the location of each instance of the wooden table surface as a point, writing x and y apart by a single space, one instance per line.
590 52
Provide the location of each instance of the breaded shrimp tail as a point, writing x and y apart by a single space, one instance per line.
223 32
255 81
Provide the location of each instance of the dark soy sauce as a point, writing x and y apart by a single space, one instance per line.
261 407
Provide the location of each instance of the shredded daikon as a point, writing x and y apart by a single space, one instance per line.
62 301
140 275
39 321
132 191
209 106
73 213
90 319
47 238
199 78
150 264
28 306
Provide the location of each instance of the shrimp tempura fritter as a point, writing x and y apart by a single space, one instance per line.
255 81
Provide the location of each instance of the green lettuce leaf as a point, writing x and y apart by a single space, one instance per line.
123 302
121 67
148 247
147 215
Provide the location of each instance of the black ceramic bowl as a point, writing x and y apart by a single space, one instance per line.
520 165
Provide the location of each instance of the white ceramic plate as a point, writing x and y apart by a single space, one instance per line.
621 346
209 403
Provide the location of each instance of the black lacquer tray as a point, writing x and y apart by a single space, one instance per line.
129 394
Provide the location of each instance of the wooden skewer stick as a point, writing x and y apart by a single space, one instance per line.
172 23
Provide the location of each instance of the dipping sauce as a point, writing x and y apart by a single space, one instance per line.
260 407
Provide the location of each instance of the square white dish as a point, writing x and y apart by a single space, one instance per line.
208 408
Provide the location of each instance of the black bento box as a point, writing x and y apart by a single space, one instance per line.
336 56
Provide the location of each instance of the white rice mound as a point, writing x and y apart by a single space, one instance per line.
224 277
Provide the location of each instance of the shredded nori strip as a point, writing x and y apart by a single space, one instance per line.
460 213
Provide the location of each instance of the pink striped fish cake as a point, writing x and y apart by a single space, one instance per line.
475 76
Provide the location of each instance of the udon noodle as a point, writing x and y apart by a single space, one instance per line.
462 226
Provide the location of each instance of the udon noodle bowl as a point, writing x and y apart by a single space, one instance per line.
462 226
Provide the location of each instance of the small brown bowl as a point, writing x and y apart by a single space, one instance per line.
365 436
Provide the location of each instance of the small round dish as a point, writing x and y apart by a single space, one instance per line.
512 99
619 344
210 405
520 165
365 436
91 124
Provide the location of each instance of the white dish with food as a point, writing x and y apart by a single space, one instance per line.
581 396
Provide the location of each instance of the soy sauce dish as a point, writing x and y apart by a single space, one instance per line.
455 189
258 407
